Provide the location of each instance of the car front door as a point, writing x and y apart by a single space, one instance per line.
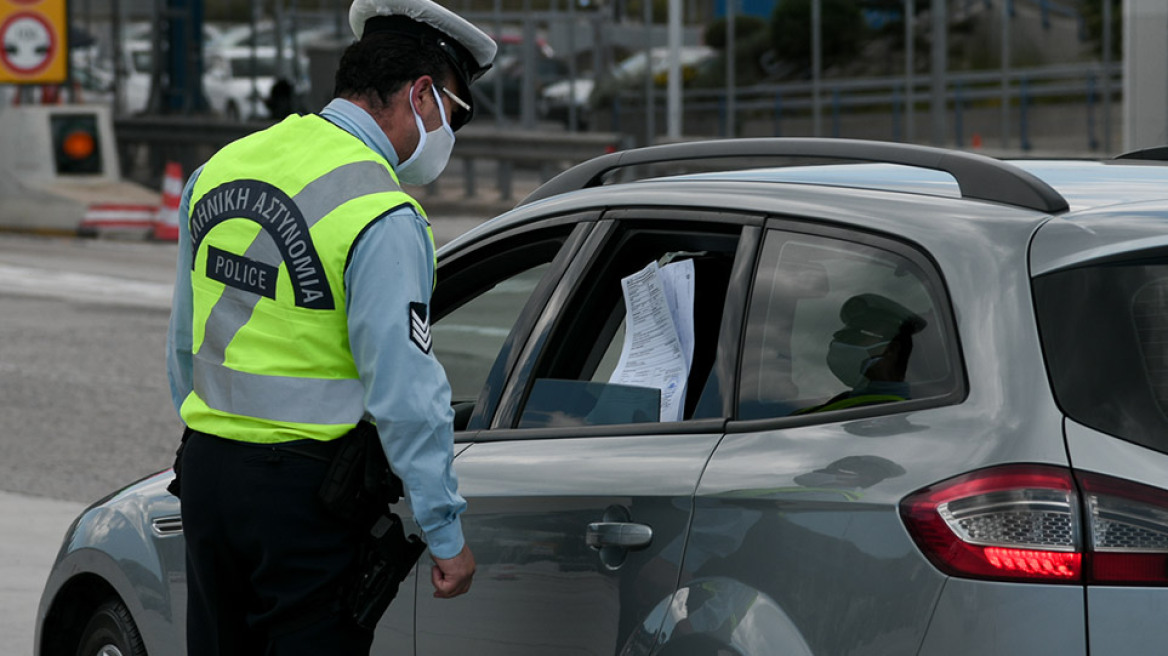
580 488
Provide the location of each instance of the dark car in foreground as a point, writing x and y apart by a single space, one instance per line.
904 401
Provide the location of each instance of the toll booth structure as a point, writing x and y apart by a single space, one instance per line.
59 174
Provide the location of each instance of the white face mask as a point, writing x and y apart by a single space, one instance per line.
850 362
433 151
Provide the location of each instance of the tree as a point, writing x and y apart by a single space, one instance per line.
1092 12
843 30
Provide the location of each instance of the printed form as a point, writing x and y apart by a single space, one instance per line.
659 333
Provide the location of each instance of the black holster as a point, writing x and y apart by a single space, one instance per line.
359 487
387 557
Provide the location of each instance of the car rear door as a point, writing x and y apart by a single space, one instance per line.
579 502
852 397
1101 295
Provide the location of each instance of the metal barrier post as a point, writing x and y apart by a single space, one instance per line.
778 119
1092 139
835 112
958 123
896 109
1023 111
468 177
505 180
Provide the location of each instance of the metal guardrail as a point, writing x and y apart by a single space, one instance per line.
1090 85
145 143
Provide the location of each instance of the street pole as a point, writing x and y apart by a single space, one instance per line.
816 66
1005 129
731 83
939 66
674 89
909 64
650 106
1107 18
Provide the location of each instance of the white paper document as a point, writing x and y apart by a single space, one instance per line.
659 333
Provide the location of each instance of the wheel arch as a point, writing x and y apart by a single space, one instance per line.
60 630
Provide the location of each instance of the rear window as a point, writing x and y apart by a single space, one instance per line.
1104 330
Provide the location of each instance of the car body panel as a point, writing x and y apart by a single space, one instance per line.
114 539
1126 620
539 588
1098 234
1091 450
974 618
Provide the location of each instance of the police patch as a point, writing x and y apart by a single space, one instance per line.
420 327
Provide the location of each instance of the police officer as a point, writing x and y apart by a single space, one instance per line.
301 307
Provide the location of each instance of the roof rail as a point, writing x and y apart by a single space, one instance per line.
978 176
1153 154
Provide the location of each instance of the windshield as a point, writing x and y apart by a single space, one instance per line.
1104 330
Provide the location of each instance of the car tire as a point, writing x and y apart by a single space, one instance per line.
111 631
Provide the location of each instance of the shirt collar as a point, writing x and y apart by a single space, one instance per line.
356 121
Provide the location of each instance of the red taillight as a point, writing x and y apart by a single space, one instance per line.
1026 523
1017 523
1128 531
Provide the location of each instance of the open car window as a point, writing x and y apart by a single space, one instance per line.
638 340
480 298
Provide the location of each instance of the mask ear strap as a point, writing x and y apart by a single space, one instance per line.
441 109
421 133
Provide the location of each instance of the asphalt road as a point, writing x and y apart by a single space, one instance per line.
84 400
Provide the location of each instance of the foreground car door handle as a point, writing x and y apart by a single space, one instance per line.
624 535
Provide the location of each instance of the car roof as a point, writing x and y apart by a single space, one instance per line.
912 184
1085 184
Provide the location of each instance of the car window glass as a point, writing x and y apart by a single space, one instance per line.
574 385
836 324
1105 338
484 290
467 340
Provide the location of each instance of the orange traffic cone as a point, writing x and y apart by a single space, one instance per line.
166 220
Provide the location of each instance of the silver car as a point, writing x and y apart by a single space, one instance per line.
908 401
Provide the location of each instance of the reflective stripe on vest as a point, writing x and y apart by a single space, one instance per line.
280 398
270 392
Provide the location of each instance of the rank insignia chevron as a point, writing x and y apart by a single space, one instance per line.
420 327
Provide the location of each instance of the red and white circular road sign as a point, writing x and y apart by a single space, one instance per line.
28 43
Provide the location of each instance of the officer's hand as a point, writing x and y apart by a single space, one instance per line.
451 576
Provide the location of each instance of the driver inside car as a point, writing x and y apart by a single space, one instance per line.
870 353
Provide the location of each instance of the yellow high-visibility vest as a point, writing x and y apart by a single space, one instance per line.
273 219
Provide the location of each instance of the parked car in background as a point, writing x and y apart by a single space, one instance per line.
586 94
913 404
239 80
266 35
504 81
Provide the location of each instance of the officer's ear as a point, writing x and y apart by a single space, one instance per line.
422 92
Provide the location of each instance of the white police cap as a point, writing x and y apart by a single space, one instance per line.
470 50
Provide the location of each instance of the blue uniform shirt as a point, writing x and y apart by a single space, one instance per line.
406 391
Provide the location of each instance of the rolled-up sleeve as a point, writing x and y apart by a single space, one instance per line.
388 286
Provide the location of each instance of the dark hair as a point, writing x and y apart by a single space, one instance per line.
382 63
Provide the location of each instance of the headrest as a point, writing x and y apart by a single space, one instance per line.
868 316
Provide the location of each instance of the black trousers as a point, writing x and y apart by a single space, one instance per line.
265 561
